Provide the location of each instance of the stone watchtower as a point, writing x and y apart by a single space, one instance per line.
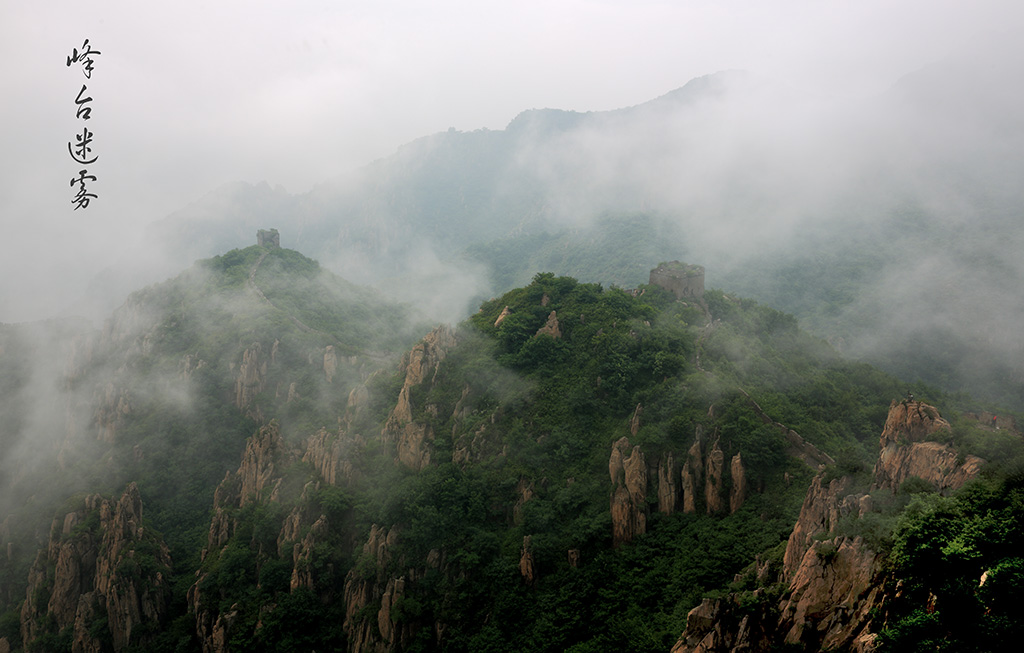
681 279
268 238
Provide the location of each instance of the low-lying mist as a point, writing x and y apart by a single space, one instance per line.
886 224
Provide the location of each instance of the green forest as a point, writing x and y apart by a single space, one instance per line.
314 474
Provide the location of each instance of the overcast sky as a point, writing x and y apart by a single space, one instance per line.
189 95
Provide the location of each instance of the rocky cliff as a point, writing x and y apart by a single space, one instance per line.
905 450
257 480
101 577
333 455
702 478
628 470
833 587
413 438
376 583
252 376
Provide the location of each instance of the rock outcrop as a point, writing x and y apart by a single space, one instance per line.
333 455
374 582
713 483
505 312
105 566
414 440
252 376
256 474
835 585
668 493
551 327
254 481
303 552
693 473
634 422
905 451
527 567
330 363
738 491
257 480
703 476
629 492
113 405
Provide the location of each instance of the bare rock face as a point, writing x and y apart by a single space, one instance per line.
668 493
332 454
629 492
391 633
213 628
714 626
302 554
551 327
357 401
836 585
681 279
505 312
738 493
833 593
401 415
330 363
252 376
634 422
414 441
713 480
101 571
254 481
911 421
256 473
373 582
692 474
190 364
112 406
931 461
527 568
424 359
414 447
834 589
904 453
819 513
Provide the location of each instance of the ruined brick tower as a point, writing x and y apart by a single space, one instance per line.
268 238
681 279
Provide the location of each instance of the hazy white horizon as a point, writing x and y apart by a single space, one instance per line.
190 96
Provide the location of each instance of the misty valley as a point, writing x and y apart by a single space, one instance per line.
651 379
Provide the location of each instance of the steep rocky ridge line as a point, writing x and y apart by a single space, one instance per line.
100 564
413 439
835 586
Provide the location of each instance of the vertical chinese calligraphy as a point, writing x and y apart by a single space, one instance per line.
81 150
